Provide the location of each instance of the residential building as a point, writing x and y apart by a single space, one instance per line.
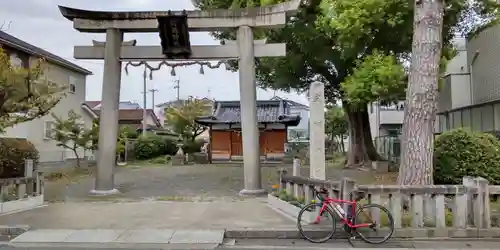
273 117
299 133
386 123
386 120
130 113
60 71
470 93
164 106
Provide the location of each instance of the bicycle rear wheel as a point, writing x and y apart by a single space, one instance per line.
314 230
382 228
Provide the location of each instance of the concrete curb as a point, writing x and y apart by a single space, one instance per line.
404 233
107 245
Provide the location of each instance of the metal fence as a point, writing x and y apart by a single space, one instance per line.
389 147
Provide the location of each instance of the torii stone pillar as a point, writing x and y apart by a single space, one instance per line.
113 51
248 105
104 183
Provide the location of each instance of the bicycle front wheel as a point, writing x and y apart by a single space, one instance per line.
316 227
381 220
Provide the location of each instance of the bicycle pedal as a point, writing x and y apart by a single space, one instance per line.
352 238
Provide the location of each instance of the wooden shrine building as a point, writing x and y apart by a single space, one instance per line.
224 124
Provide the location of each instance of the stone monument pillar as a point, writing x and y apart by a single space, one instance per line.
249 125
104 183
317 133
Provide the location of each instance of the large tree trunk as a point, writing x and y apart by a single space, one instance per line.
361 150
422 95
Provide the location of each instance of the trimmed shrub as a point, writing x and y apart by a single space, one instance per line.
460 153
152 146
170 147
13 152
148 147
193 146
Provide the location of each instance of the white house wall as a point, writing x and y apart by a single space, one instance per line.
17 131
34 130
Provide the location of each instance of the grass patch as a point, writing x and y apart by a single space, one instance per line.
115 197
173 198
70 175
337 162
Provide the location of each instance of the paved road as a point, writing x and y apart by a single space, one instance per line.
303 245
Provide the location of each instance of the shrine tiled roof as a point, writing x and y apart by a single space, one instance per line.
269 111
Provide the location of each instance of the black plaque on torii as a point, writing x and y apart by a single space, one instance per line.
174 35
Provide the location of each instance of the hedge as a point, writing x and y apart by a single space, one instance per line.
13 153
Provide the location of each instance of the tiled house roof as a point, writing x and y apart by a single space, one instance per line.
290 102
92 104
229 112
125 113
122 105
21 45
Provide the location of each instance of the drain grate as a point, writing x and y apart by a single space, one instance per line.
7 233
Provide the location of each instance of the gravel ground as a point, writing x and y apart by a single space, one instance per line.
165 182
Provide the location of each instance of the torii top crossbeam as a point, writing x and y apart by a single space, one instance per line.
146 21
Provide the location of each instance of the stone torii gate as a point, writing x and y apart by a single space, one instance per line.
114 50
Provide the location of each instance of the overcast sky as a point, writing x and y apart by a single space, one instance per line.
40 23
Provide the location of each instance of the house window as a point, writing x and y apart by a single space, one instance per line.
72 84
72 88
48 128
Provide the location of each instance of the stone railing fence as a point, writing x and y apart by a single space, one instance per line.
22 192
425 211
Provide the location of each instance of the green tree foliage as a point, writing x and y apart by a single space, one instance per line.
377 77
182 118
151 146
72 134
462 153
328 38
24 93
13 153
336 125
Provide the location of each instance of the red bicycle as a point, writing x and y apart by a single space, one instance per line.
357 221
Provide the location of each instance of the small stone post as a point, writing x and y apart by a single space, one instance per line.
317 126
468 182
179 158
482 204
282 172
296 166
28 172
296 172
28 168
347 186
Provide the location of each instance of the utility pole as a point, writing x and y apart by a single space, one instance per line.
178 87
144 96
153 97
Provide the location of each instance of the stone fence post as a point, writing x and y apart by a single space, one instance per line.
478 205
296 172
347 186
29 168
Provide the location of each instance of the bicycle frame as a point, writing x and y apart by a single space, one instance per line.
342 214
